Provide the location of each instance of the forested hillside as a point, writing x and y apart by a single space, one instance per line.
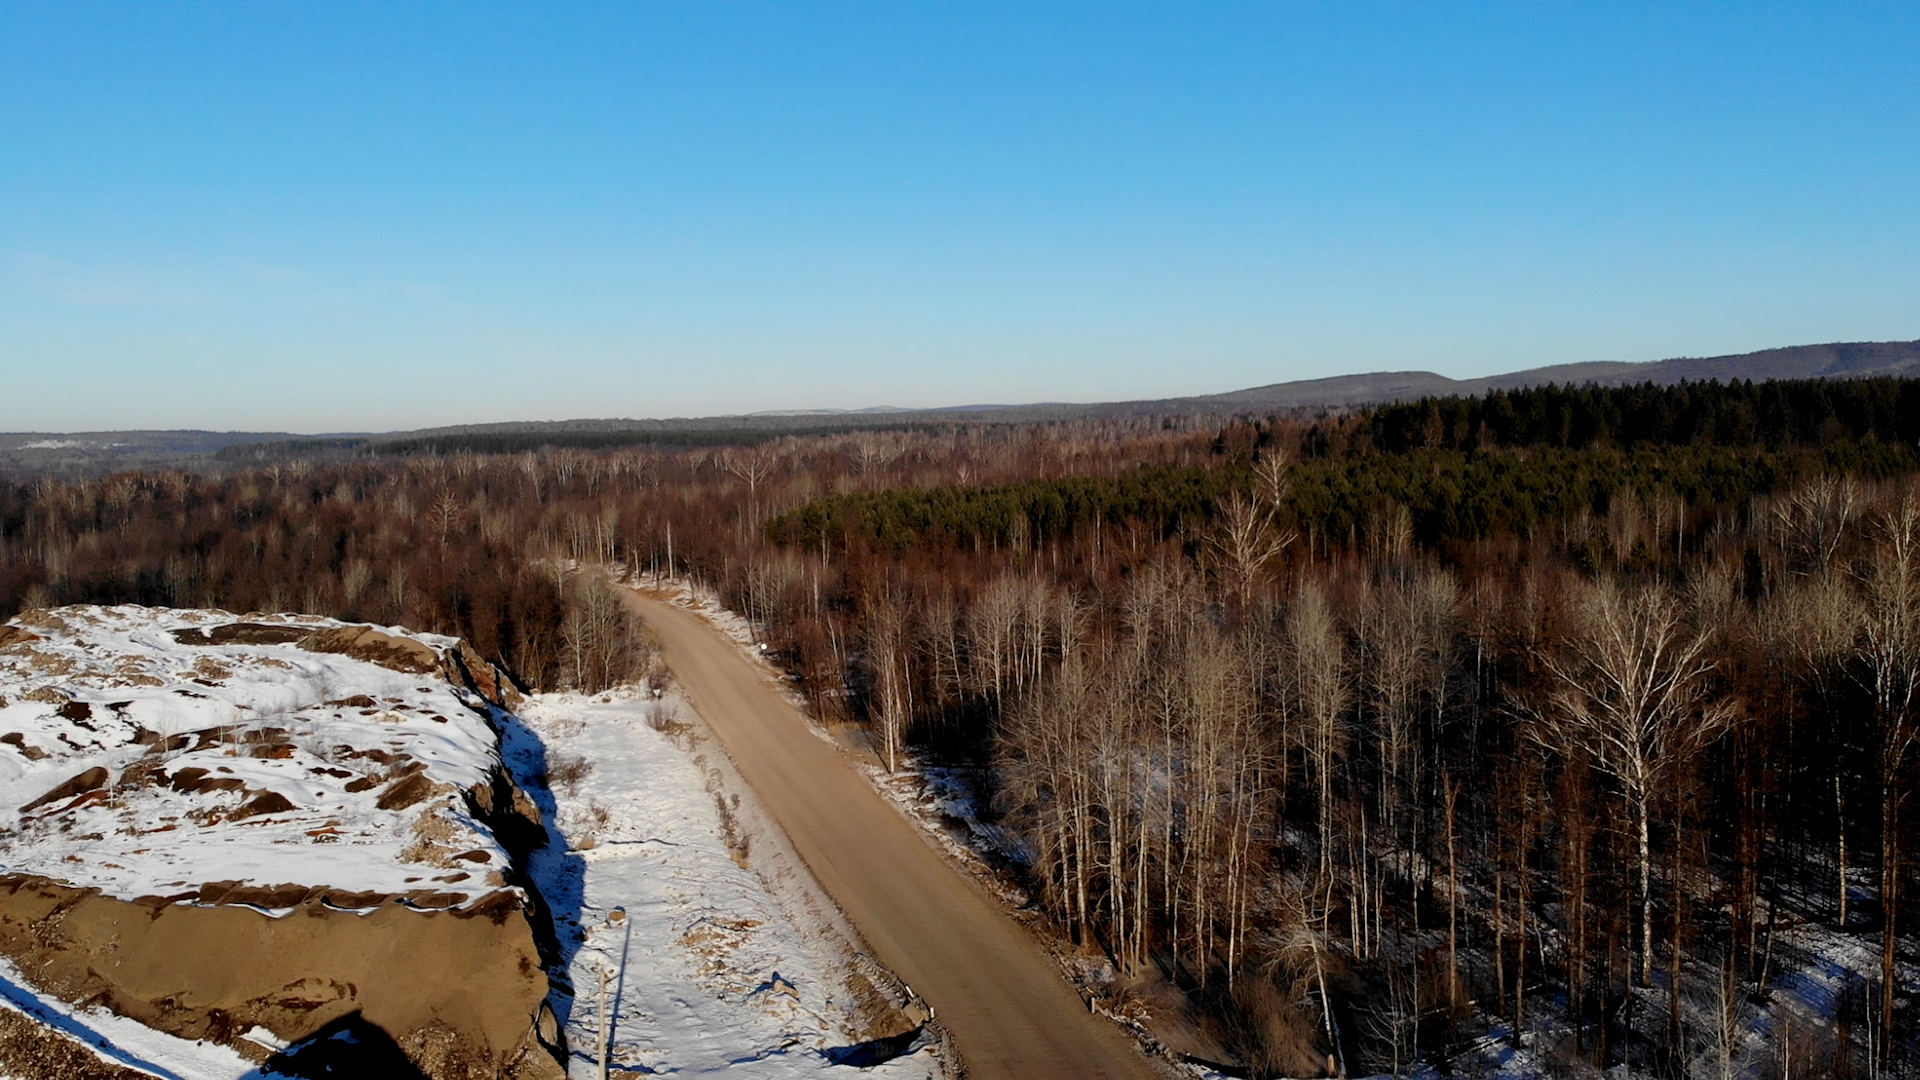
1806 412
1581 720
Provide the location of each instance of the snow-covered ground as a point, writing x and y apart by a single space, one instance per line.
151 752
721 958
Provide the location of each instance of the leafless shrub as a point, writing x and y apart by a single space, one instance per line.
1273 1035
664 716
588 824
659 678
566 771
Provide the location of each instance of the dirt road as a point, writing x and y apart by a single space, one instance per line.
1011 1014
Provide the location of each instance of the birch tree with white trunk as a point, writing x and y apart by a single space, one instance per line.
1890 649
1633 690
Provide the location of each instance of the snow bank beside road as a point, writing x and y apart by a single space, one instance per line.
729 965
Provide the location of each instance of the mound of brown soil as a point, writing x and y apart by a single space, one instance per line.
417 934
243 633
460 992
374 646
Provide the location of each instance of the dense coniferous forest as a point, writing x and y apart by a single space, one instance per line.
1788 412
1578 722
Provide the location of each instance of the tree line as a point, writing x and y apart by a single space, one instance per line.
431 549
1378 757
1786 412
1422 791
1447 495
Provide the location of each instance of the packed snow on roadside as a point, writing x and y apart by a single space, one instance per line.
703 601
717 959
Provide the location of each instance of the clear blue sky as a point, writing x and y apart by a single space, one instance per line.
338 216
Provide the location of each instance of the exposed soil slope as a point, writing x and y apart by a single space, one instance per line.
244 830
456 990
1009 1012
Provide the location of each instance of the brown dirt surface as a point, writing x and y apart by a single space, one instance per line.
19 742
1010 1013
365 643
407 791
458 991
243 633
267 802
91 780
29 1051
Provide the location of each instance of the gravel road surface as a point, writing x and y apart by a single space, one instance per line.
1010 1012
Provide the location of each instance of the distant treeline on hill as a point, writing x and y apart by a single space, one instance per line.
1449 495
516 442
287 449
1162 498
1456 495
1803 412
1797 412
1463 469
521 440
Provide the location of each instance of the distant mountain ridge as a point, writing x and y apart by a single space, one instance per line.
1862 359
1843 360
37 453
869 410
1835 360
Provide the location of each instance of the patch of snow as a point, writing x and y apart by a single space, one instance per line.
706 966
262 764
260 1036
123 1042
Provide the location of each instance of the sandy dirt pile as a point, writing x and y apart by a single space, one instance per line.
247 829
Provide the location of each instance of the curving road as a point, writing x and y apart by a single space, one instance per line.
1010 1014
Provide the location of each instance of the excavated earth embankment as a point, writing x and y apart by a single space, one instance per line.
249 829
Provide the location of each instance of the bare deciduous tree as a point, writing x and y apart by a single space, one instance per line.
1633 690
1245 541
889 656
1890 644
1323 690
1813 521
1813 623
752 465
